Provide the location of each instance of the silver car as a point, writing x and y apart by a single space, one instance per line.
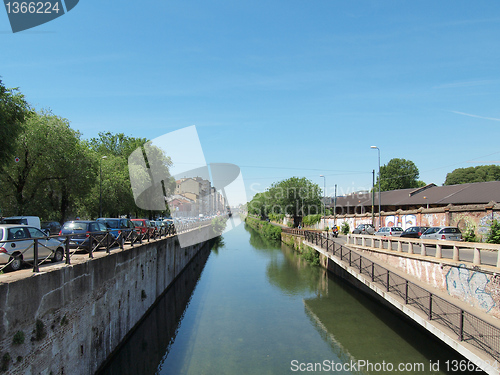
389 231
442 233
20 245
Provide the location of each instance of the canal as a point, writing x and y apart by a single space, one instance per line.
248 306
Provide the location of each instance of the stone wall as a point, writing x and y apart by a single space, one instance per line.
476 217
69 320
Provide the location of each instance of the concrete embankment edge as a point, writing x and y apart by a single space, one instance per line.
69 320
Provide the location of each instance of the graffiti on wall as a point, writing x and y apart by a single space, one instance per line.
485 223
405 221
470 287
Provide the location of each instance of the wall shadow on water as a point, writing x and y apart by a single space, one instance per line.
144 350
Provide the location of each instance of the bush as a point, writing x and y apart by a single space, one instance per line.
310 220
278 218
469 235
494 235
345 228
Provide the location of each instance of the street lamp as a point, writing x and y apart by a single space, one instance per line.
324 194
379 181
100 185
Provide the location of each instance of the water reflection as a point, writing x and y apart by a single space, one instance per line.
145 350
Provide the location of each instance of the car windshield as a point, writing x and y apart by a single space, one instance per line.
75 226
431 230
113 223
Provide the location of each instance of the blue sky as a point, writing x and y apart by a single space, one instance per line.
280 88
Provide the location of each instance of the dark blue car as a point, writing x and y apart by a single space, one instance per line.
86 234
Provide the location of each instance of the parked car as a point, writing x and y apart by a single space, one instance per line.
117 226
414 232
389 231
143 225
442 233
364 229
34 221
51 227
86 234
22 249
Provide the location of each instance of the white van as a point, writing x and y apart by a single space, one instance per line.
34 221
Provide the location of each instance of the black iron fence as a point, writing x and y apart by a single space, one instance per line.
35 251
467 326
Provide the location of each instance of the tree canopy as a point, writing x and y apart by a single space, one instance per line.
13 111
294 196
399 174
481 173
53 169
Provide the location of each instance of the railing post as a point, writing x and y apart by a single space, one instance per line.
66 250
477 256
439 251
35 256
456 256
498 258
360 265
388 274
350 253
406 293
423 250
410 247
400 246
107 241
327 244
389 244
373 272
461 326
430 307
90 246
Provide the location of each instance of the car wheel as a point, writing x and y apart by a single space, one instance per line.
58 255
16 262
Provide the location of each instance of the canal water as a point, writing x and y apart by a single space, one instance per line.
248 306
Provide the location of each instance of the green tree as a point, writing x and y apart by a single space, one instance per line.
54 169
294 196
494 234
399 174
113 152
481 173
13 111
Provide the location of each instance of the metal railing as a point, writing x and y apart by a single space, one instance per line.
73 243
467 326
429 248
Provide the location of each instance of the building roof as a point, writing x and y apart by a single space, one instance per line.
472 193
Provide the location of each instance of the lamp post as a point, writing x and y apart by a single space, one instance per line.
100 185
324 194
379 181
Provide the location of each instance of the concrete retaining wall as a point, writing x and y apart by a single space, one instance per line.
69 320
